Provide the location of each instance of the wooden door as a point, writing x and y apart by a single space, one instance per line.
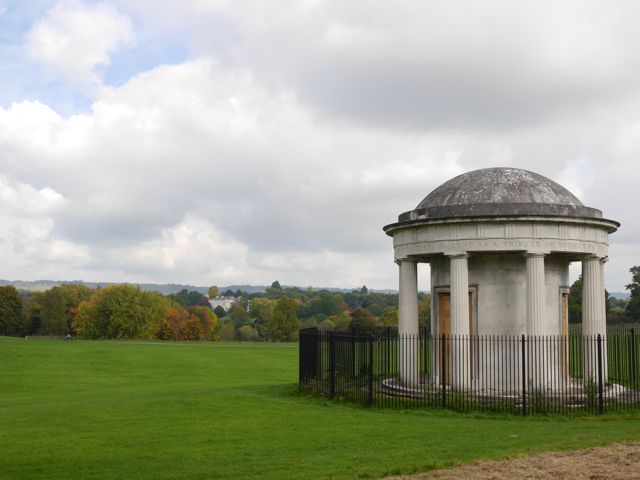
444 327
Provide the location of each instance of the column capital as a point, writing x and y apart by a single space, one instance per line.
457 254
536 253
398 261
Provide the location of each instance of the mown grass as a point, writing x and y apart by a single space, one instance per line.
113 410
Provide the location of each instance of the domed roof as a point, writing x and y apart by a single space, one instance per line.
500 192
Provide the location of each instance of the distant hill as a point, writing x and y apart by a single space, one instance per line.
39 285
619 295
165 289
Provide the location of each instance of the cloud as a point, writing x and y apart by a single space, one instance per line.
27 242
194 141
436 64
73 39
294 134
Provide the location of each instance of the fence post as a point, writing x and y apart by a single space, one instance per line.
633 358
443 369
371 361
524 376
332 365
425 352
352 343
301 338
600 386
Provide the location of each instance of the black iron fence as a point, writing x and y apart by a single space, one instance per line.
521 375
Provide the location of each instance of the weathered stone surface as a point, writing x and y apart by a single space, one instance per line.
499 191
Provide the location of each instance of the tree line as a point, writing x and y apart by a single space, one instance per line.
278 313
124 311
116 311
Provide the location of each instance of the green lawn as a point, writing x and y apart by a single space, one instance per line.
133 410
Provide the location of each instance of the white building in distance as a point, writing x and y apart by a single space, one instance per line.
224 302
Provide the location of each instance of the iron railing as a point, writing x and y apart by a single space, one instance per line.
573 374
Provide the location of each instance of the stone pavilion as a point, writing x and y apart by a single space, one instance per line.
499 242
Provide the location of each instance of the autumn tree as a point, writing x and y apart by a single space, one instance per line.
11 320
208 320
284 320
213 291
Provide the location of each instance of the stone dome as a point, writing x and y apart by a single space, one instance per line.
499 192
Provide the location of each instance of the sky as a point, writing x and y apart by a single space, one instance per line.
215 142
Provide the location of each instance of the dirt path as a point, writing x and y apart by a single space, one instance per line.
613 462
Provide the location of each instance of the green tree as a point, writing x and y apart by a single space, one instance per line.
247 333
261 310
213 291
362 319
390 317
284 320
327 303
121 311
53 314
575 301
219 311
341 321
633 305
238 316
424 311
188 298
227 332
11 320
58 307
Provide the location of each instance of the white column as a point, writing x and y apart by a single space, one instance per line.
535 293
594 320
593 302
459 272
459 294
539 374
408 351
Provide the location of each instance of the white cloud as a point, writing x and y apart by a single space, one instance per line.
27 243
24 200
73 39
191 251
297 132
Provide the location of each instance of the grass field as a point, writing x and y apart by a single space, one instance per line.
114 410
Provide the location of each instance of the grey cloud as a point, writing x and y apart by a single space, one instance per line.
439 65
